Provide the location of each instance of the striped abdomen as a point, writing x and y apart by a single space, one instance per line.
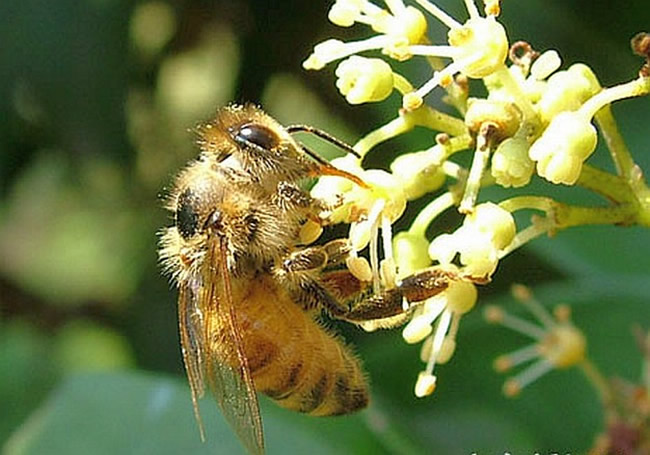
294 360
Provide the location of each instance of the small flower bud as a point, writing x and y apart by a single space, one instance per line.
461 296
443 248
419 173
345 13
482 46
363 80
511 165
565 144
545 65
410 252
409 23
477 254
506 116
567 90
491 219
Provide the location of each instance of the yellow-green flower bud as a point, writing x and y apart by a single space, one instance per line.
363 80
567 90
482 46
565 144
443 248
511 165
409 23
505 115
419 173
345 13
545 65
478 254
410 252
491 219
461 296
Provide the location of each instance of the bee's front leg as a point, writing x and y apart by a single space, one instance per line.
299 272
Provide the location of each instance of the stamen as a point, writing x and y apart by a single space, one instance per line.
472 9
537 309
395 6
527 377
522 326
517 357
438 76
373 220
433 51
438 338
439 14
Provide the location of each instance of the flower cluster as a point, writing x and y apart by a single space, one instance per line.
536 120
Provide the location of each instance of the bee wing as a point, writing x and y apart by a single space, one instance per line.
213 350
191 324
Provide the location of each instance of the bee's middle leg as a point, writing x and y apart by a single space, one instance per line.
344 296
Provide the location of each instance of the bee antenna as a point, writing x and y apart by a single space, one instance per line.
323 135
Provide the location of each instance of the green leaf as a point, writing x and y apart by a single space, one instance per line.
139 413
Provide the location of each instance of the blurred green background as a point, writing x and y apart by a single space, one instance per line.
96 99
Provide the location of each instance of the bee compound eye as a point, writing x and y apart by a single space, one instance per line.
187 218
260 135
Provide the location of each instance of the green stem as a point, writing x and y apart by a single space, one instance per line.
637 87
610 186
395 127
438 121
430 213
402 84
423 116
545 204
615 143
599 382
572 215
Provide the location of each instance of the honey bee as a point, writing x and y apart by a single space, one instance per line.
250 294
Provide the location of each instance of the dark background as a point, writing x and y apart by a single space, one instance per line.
93 125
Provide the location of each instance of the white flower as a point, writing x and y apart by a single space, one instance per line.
563 147
511 165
